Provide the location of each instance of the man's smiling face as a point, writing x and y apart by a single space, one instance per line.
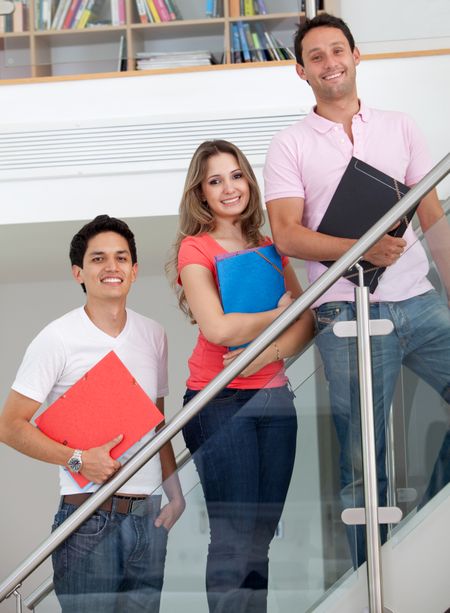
329 64
108 271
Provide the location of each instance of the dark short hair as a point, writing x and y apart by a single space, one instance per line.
319 21
102 223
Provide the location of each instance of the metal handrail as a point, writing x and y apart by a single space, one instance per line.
173 426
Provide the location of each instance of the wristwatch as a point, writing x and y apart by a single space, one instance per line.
75 462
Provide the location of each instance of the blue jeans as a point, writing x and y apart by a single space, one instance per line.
421 341
112 563
243 444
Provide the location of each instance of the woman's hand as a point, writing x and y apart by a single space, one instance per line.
268 356
285 300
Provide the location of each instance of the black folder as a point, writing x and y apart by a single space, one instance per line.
363 196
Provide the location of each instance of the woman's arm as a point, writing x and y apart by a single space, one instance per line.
219 328
290 342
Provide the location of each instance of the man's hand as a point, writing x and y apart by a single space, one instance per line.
98 465
170 513
386 251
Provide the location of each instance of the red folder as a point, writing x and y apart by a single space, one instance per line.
105 402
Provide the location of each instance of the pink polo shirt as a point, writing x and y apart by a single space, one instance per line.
308 159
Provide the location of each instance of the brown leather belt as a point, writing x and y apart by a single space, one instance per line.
122 504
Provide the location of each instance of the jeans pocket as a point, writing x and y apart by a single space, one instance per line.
327 314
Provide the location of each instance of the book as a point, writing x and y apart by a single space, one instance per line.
148 60
154 13
244 45
234 8
105 402
261 7
162 10
70 14
363 196
236 55
251 45
250 281
171 9
140 6
249 8
85 15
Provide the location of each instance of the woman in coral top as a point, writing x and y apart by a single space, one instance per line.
243 441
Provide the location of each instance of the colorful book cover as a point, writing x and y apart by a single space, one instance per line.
250 281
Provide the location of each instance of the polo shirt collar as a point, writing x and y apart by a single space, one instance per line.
323 125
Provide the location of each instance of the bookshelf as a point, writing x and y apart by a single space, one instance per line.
45 38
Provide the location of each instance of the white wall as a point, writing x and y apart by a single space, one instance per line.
418 86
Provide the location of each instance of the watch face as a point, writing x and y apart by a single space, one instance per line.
74 464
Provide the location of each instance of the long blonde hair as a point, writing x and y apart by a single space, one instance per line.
195 216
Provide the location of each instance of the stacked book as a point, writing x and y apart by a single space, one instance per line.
176 59
157 11
16 21
252 43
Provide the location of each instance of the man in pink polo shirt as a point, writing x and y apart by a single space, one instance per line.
304 165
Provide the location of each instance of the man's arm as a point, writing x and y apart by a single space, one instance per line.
171 484
296 240
437 232
17 432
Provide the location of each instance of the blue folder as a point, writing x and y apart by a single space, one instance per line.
250 281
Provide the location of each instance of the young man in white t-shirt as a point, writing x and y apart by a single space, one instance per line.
115 560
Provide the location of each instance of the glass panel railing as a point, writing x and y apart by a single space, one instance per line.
262 503
420 458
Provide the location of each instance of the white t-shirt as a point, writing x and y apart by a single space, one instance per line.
70 346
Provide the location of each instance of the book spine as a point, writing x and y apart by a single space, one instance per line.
70 14
251 46
153 11
57 15
234 8
244 46
80 11
17 17
140 7
114 12
270 45
209 8
236 44
171 10
262 8
162 10
258 47
86 15
249 9
122 15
